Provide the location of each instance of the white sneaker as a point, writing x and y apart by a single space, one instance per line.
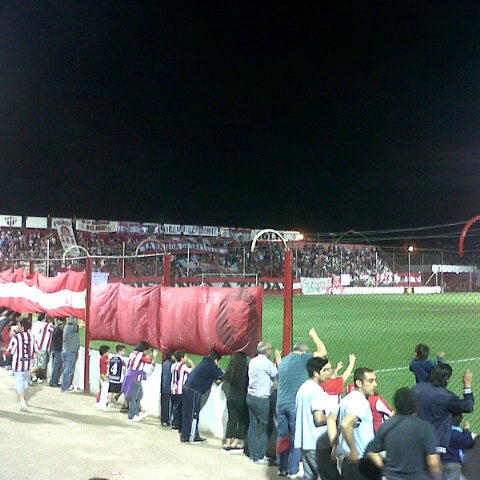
23 406
143 415
300 472
136 418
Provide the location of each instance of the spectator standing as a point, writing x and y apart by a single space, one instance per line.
70 348
355 419
102 396
198 383
292 372
381 409
461 439
181 369
9 331
313 409
22 348
165 389
42 331
236 377
471 461
4 339
421 365
56 353
335 385
437 405
116 373
261 373
132 383
409 442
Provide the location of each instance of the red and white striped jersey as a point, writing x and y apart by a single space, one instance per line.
180 372
22 347
137 360
44 337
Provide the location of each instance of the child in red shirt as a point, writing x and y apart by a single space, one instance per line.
101 400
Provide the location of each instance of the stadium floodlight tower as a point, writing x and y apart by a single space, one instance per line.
410 250
288 282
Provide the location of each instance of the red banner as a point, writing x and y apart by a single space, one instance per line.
59 296
197 319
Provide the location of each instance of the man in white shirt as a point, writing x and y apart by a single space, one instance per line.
312 435
261 373
355 419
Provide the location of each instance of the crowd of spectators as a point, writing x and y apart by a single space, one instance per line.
193 256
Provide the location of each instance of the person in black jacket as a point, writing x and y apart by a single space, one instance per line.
56 353
236 377
437 405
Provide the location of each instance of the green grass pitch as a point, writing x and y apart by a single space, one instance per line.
382 331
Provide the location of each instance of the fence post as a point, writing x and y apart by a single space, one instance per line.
288 303
86 372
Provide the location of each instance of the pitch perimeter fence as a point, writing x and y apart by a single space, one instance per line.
380 328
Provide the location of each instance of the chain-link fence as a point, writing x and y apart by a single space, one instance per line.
380 327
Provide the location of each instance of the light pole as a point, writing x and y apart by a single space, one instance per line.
410 249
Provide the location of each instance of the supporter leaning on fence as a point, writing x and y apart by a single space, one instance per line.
292 372
198 383
437 405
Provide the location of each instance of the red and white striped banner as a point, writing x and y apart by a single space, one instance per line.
59 296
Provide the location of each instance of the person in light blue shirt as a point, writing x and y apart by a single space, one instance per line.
261 374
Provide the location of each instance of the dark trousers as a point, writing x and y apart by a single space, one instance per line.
177 410
56 368
327 468
165 408
237 418
191 402
350 471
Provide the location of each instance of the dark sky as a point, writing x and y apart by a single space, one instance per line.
292 115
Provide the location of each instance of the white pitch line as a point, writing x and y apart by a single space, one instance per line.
396 369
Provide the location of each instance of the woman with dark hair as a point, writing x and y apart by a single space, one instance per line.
236 376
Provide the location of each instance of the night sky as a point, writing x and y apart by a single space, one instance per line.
316 116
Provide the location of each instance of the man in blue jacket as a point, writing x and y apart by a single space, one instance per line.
437 405
198 383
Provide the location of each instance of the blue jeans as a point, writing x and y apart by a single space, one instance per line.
56 367
289 459
258 412
134 403
69 361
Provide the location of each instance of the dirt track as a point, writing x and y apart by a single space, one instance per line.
63 437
